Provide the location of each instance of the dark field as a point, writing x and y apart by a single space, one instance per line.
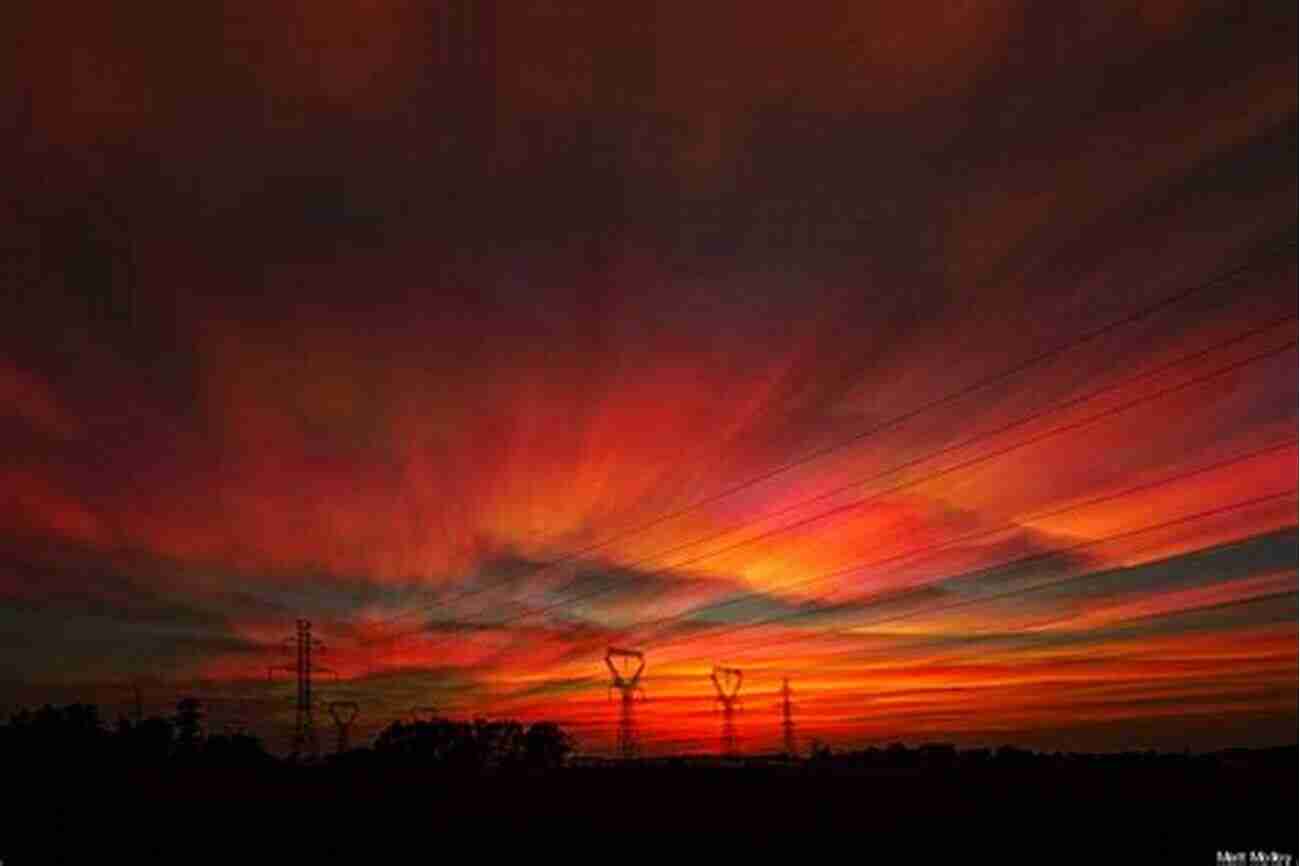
1126 808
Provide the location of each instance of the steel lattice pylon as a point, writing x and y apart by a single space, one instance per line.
344 714
726 681
629 685
787 719
305 741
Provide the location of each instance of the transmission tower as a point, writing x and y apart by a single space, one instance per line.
305 741
628 682
726 681
344 714
787 719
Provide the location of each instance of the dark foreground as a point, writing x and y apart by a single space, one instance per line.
1185 811
164 789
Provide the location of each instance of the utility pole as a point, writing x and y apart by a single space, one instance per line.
628 682
787 719
726 681
344 714
304 735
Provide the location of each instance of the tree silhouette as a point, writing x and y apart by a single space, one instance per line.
189 727
235 750
146 742
55 736
546 746
474 747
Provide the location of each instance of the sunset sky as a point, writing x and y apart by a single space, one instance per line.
938 357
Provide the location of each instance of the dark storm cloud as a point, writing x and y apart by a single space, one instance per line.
100 638
1076 594
1219 618
583 597
1274 552
82 584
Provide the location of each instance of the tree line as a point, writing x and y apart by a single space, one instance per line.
76 735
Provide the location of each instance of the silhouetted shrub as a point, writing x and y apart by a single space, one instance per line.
473 747
546 746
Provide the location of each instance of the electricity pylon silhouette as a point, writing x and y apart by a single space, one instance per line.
629 685
787 719
344 714
727 683
305 741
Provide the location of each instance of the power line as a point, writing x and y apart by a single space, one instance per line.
1075 401
947 449
1012 565
933 548
1126 621
1037 438
1017 564
596 724
978 385
997 530
965 443
809 457
599 726
1005 568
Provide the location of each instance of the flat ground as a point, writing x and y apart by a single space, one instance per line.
1182 813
